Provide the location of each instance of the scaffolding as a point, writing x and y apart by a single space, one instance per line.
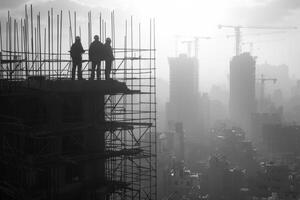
33 62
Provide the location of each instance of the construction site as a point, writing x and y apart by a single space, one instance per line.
149 100
76 139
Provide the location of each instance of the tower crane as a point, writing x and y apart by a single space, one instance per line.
259 34
189 46
251 44
196 44
262 90
237 31
196 40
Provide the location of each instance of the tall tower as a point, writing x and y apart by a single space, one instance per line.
242 89
184 95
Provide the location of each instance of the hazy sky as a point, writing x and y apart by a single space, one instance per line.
199 18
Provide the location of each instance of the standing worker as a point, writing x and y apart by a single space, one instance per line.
109 57
76 55
96 55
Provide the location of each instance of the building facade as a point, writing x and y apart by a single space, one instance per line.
242 89
183 105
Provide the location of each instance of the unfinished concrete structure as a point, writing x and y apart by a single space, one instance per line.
184 93
64 139
242 89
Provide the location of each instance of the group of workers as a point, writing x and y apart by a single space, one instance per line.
97 53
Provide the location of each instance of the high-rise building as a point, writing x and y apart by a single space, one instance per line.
184 94
242 89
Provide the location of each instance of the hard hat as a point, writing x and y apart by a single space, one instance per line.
108 40
77 38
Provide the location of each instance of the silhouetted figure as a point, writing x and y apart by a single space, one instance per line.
108 57
76 55
96 55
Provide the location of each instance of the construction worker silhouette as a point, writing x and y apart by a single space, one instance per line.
108 57
76 52
95 56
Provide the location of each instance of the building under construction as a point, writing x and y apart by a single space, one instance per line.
242 89
76 139
184 102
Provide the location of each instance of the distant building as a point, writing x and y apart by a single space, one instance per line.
174 179
220 181
259 120
239 152
292 106
281 140
242 89
184 94
205 113
162 90
296 89
273 181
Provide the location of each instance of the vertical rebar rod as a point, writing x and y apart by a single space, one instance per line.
31 24
100 35
52 41
155 106
89 28
80 31
150 107
70 37
70 30
17 39
26 41
6 43
18 49
114 39
23 46
57 46
75 24
44 52
36 42
34 53
102 31
105 31
40 43
90 34
14 49
131 96
112 26
6 35
49 46
70 34
15 35
10 44
60 42
140 103
124 170
21 37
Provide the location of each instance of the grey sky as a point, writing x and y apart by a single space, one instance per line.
196 17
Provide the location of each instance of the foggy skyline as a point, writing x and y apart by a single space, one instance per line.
198 18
